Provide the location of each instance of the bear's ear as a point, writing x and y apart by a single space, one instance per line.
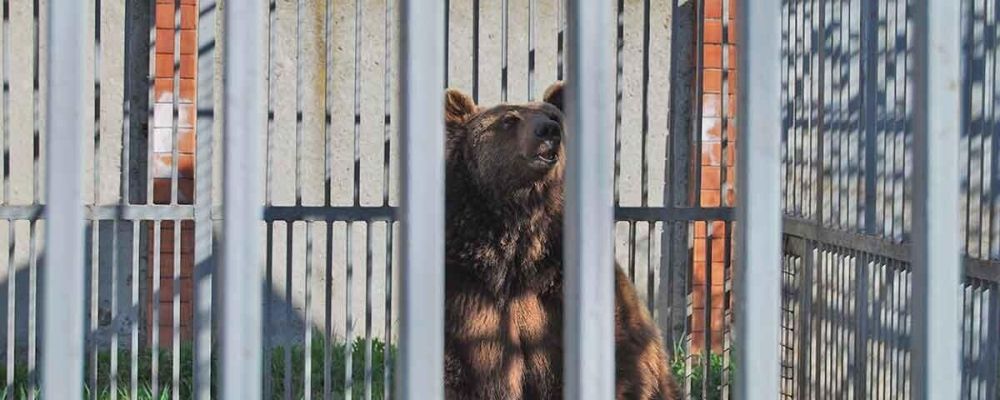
554 95
457 106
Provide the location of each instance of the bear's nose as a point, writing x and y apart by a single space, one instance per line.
547 130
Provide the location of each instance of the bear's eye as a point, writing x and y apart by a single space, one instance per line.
510 120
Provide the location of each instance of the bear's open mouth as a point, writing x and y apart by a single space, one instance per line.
549 155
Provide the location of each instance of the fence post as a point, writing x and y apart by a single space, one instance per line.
63 276
589 275
759 214
937 267
421 356
242 121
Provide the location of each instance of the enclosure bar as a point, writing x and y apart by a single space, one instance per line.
706 348
154 347
475 51
869 110
268 150
151 103
421 364
589 294
531 48
387 361
298 102
175 82
759 169
369 263
204 258
560 37
307 369
134 331
175 320
447 39
619 63
7 136
33 223
504 37
937 270
96 171
32 307
387 79
62 360
987 139
698 106
289 312
348 314
644 146
357 101
328 313
241 292
95 262
268 285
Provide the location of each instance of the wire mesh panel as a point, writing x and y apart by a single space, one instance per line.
848 182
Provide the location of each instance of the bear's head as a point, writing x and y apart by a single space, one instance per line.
506 150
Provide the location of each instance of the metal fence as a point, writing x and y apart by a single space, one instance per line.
301 167
331 176
863 161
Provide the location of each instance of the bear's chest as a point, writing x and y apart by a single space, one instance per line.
508 351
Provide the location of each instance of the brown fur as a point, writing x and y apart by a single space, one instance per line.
504 305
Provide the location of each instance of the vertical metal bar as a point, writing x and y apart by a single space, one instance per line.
937 269
308 328
869 110
619 65
328 191
269 166
368 309
759 170
289 313
240 361
134 335
298 103
113 348
175 109
150 107
95 225
358 21
154 348
644 177
63 334
387 361
706 348
175 328
560 37
475 50
531 49
698 105
349 316
861 322
33 227
421 340
447 40
589 295
204 260
805 326
504 33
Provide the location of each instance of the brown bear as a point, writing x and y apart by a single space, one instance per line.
504 257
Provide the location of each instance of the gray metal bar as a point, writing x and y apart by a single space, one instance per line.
349 315
308 328
387 361
204 259
369 253
63 321
154 347
937 269
759 169
134 331
674 214
358 21
421 364
289 313
241 291
589 253
504 37
619 65
175 320
151 104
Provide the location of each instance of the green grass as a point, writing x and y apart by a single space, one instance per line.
716 372
336 381
18 390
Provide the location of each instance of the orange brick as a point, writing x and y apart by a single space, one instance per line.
194 2
189 64
189 42
187 115
186 143
711 156
189 16
188 91
167 239
162 191
712 31
710 198
713 56
164 67
711 128
718 254
732 32
165 15
711 178
185 165
163 90
713 9
164 42
711 104
712 81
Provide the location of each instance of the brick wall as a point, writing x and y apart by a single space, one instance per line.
718 160
164 143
